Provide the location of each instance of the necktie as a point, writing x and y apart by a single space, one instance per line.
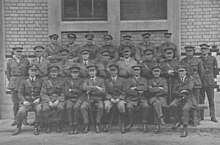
39 60
85 63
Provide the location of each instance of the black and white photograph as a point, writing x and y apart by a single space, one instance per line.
109 72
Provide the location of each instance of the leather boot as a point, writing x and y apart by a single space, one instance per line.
75 130
107 118
214 119
145 128
36 130
59 129
97 128
17 131
184 132
71 128
176 126
122 123
157 128
130 114
86 128
48 129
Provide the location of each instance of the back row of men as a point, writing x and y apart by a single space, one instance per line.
67 73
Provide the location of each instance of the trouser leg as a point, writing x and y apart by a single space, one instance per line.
210 96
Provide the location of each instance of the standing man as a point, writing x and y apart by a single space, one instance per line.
136 53
73 94
167 43
52 94
211 71
114 56
94 50
53 48
42 63
29 95
183 100
126 63
115 95
16 71
195 69
136 95
158 90
145 44
65 63
72 47
95 91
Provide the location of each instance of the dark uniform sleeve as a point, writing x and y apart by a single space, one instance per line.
201 69
44 94
163 91
62 92
215 67
8 71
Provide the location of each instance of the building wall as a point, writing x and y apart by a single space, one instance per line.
26 23
200 22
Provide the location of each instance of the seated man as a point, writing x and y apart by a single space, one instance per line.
158 89
115 95
136 95
73 94
52 94
95 89
29 95
184 99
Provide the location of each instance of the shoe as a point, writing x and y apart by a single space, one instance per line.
25 123
71 130
97 129
32 124
86 130
157 128
14 123
48 130
214 119
122 128
106 129
128 127
75 131
59 130
17 131
184 133
36 130
145 128
162 121
175 126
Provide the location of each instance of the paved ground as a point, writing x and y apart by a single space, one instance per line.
208 133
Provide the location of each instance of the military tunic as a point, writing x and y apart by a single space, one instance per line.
125 67
43 66
52 49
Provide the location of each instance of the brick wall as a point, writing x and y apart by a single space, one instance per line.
26 24
200 22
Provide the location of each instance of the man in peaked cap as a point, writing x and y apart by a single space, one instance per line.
94 50
107 39
73 94
95 92
53 48
125 64
158 89
195 69
115 95
40 61
136 95
29 95
167 43
183 98
128 43
73 47
16 70
145 44
52 95
211 71
149 60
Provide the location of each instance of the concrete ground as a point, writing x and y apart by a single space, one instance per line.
208 133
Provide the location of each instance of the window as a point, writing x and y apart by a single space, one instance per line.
143 9
82 10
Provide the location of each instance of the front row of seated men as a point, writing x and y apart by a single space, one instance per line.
77 95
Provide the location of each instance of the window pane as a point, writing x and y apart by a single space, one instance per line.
84 10
100 9
143 9
69 8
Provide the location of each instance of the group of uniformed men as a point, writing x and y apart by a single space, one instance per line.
77 78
